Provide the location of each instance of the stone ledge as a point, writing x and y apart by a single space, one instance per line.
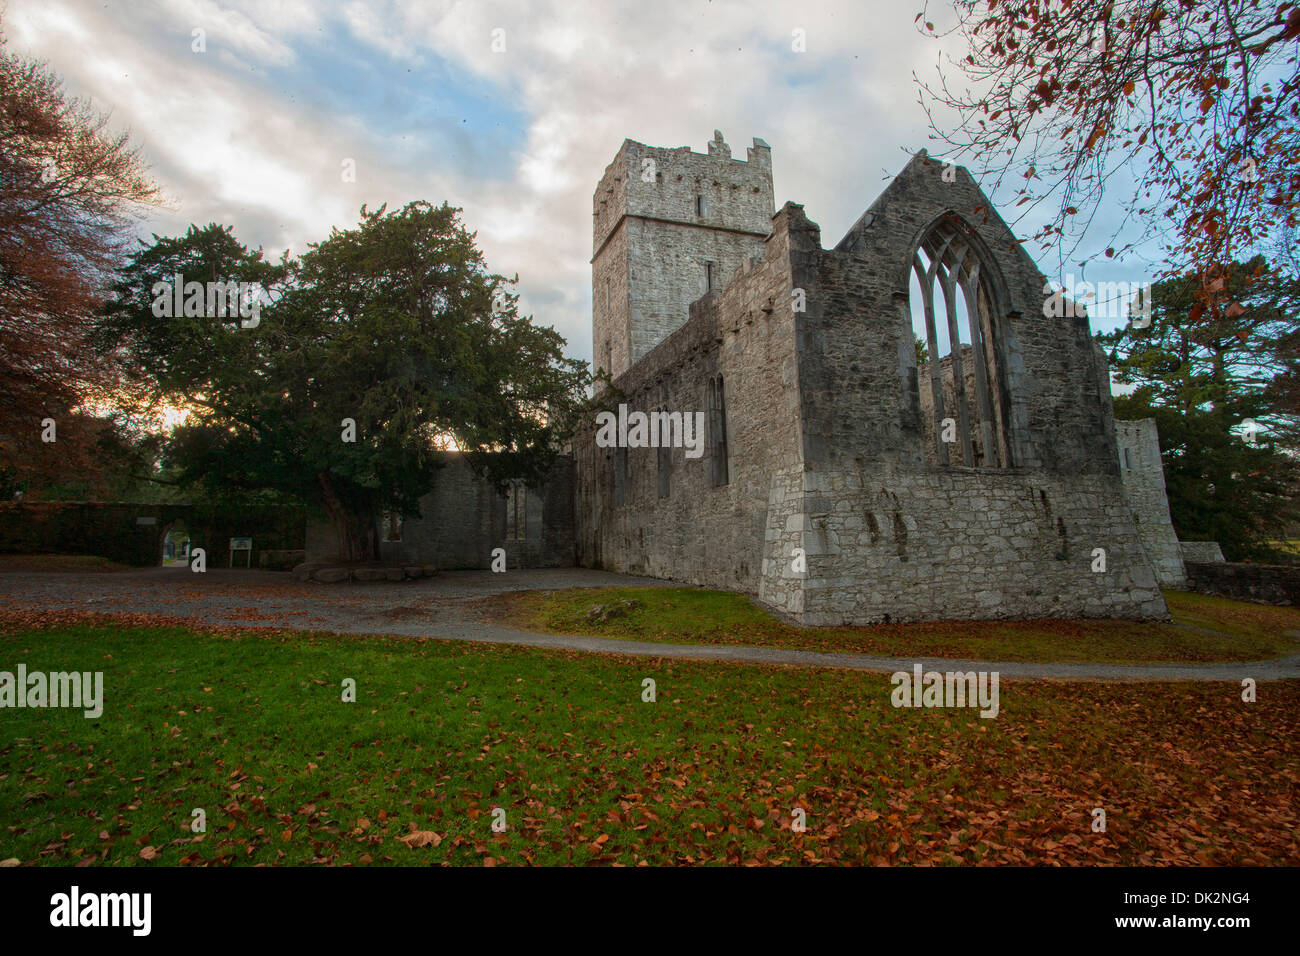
1277 584
337 572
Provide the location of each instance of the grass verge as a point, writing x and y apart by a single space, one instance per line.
1246 632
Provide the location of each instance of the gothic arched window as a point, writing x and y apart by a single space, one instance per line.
958 375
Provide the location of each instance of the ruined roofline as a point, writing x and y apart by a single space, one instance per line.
757 144
750 151
922 157
977 220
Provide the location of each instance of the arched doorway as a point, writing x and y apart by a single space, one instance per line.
176 546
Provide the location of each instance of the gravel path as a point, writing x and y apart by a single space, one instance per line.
443 607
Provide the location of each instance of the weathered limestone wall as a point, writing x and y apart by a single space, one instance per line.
463 518
1262 583
1200 552
610 276
886 532
1144 488
966 543
651 242
857 347
552 507
699 533
667 267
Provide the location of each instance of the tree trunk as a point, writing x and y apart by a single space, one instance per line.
356 536
1219 376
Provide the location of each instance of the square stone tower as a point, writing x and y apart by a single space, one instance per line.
670 225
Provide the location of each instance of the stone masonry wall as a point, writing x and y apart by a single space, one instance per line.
1144 488
701 534
1261 583
886 533
967 543
463 518
1200 552
610 277
857 351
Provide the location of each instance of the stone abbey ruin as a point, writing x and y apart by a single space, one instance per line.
894 430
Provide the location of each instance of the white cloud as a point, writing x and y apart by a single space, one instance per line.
224 26
232 144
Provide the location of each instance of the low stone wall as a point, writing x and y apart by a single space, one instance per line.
463 520
281 560
1201 552
369 573
1262 583
133 534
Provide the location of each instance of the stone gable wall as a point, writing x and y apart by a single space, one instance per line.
1055 384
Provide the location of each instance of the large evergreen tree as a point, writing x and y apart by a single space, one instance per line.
1220 382
375 352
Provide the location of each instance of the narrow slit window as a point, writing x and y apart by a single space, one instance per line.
620 476
663 464
718 473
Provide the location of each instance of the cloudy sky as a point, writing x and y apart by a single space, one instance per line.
510 110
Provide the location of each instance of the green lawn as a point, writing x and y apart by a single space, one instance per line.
1246 632
251 728
1287 548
